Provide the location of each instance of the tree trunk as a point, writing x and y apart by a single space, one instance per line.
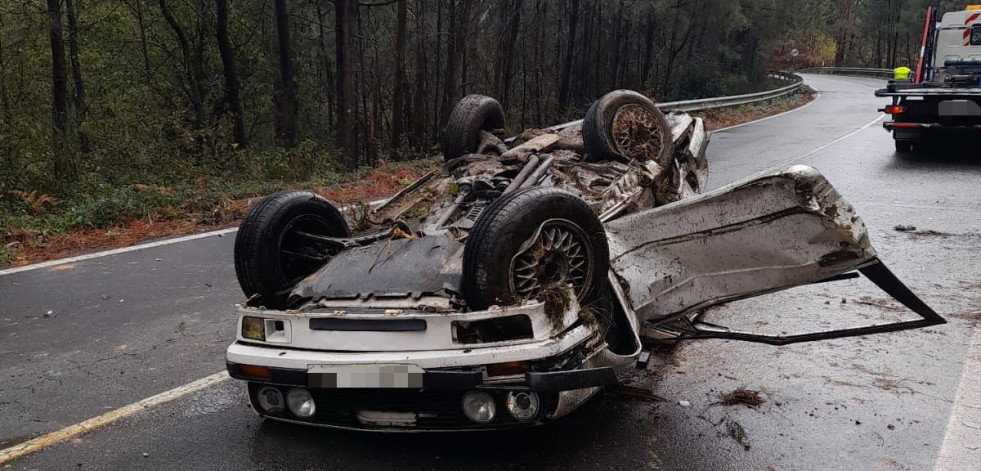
419 96
65 170
437 68
514 24
591 72
345 32
145 50
4 95
504 57
645 71
619 43
569 55
541 18
79 87
284 115
398 82
372 86
328 81
673 51
459 23
232 99
193 78
581 65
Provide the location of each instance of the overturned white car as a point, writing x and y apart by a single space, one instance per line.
502 289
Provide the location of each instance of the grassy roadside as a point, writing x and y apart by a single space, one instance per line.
43 228
35 228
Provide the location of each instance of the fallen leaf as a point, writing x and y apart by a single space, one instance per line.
742 396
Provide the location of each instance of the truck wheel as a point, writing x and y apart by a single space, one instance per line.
271 256
474 113
624 125
531 240
904 146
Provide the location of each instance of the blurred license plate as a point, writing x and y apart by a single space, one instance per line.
364 376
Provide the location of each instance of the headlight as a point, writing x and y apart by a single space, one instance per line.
270 400
523 405
479 407
253 328
301 403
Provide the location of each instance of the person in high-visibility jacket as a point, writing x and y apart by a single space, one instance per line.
901 73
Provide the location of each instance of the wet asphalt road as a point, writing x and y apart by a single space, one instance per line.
125 327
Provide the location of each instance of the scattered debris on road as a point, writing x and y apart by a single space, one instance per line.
911 230
931 233
737 433
879 303
744 396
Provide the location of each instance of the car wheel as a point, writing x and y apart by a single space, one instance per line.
624 125
473 113
533 240
904 146
271 252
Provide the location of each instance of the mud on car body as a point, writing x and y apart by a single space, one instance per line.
504 288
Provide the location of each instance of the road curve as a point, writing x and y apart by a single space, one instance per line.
86 338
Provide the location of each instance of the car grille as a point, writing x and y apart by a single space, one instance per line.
435 410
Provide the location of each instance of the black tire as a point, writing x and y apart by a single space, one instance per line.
598 130
903 146
494 248
472 114
266 239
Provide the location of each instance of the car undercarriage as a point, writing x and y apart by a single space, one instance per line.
522 273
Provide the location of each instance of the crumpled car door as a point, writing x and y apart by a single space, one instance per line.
763 234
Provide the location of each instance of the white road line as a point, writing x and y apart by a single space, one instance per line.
106 253
132 248
961 448
23 449
787 162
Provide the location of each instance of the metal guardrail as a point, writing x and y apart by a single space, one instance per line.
885 73
720 102
735 100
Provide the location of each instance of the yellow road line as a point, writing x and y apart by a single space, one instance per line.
23 449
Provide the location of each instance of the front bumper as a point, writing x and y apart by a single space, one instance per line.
458 380
565 372
388 410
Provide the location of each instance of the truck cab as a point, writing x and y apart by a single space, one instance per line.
944 97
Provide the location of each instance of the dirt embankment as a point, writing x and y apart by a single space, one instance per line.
725 117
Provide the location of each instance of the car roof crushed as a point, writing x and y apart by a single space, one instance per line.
397 267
